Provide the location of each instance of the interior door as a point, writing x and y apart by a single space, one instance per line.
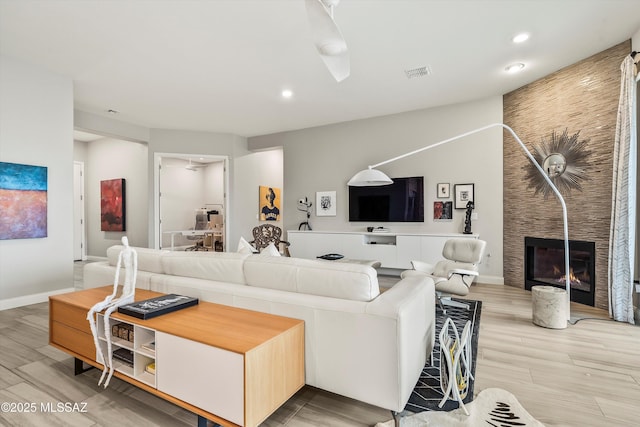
159 199
181 190
79 245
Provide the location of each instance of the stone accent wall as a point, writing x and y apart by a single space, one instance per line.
582 97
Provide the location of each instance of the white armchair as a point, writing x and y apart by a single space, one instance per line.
456 272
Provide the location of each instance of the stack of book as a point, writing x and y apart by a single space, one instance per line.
151 368
123 331
124 355
151 346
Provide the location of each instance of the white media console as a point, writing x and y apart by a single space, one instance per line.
393 250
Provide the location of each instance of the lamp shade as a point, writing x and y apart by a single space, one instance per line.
369 178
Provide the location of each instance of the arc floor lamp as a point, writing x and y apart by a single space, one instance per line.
374 177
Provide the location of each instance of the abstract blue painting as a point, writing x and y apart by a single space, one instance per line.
23 201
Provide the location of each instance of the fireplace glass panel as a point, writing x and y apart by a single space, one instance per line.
544 265
548 267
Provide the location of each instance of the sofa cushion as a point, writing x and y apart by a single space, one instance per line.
270 250
219 266
337 280
148 259
245 247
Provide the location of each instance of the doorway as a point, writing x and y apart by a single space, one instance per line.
185 186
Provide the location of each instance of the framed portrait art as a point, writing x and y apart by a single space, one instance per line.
269 203
326 203
464 194
444 190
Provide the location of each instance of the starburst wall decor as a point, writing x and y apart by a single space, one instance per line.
564 160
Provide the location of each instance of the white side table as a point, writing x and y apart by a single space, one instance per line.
549 305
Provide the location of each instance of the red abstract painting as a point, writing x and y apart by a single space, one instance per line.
112 205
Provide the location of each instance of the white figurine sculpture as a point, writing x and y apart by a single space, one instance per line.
129 258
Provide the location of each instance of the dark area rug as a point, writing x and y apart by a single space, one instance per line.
427 394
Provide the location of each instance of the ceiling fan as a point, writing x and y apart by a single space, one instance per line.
190 167
327 37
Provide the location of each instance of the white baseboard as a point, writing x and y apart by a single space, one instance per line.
490 280
96 258
9 303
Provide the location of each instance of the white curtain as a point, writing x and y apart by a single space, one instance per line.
623 206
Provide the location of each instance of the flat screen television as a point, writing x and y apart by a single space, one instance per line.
402 201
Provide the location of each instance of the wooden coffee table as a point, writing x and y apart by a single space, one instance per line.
229 365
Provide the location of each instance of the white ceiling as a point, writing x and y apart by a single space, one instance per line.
85 136
220 65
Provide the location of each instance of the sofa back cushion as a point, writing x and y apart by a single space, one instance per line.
219 266
148 259
338 280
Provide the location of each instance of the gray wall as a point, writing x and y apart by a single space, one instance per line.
325 158
110 158
36 123
251 171
247 171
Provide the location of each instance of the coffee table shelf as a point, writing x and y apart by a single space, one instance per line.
233 376
141 357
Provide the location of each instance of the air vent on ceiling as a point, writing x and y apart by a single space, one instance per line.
418 72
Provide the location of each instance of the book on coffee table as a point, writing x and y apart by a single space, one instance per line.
157 306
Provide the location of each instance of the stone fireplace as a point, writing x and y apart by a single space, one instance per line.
581 97
544 265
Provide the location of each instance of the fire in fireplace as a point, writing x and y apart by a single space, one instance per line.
544 265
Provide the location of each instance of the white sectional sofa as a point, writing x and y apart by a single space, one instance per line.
359 343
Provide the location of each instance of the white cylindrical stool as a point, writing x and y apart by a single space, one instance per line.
549 305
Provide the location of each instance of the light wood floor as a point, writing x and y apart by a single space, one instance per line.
585 375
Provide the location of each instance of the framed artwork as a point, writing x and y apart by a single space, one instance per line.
444 190
442 211
112 205
269 203
464 194
326 203
23 201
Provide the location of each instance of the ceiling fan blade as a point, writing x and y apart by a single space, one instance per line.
328 39
338 65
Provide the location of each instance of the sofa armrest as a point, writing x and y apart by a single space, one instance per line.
411 302
413 297
390 302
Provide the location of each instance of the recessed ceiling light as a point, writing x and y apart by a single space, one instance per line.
514 68
287 93
519 38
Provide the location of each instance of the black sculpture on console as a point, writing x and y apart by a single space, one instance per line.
467 221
